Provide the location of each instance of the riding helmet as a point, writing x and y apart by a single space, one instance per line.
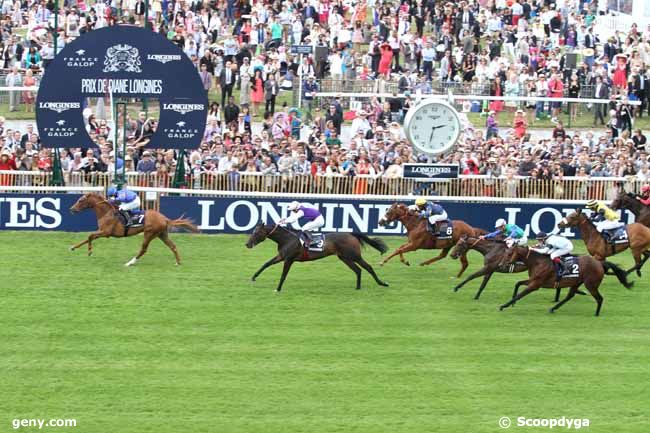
592 204
541 236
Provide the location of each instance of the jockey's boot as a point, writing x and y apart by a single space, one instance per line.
308 238
607 236
127 217
433 228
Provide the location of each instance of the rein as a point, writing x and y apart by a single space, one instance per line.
528 254
274 229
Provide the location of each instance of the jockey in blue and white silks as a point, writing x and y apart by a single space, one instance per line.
128 202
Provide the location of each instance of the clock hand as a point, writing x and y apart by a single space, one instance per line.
433 129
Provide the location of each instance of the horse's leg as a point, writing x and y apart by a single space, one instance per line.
89 240
285 271
572 292
517 284
348 261
486 278
399 251
148 237
476 274
464 263
639 262
273 261
529 289
365 265
557 294
164 236
403 260
440 256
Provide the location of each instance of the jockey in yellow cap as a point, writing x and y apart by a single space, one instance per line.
430 210
603 217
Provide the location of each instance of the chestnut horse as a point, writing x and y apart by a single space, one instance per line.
638 239
419 236
541 274
626 200
156 225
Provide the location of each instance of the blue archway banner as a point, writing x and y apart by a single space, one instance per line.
127 62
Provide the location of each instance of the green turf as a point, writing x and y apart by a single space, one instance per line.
199 348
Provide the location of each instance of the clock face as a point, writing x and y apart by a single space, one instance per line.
432 126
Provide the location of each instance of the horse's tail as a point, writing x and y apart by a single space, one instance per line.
620 274
376 243
183 223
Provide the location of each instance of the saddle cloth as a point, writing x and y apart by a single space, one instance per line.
570 267
445 229
618 236
317 243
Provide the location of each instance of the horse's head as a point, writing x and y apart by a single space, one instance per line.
260 232
394 213
573 219
86 201
461 247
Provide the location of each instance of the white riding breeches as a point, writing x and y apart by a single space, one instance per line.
523 241
560 252
135 204
314 224
608 225
436 218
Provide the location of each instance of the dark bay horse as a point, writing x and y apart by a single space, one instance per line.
541 274
638 235
156 225
626 200
492 251
419 236
347 246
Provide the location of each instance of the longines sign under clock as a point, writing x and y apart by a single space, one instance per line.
430 171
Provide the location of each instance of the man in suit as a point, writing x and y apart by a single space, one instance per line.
271 90
641 91
601 91
227 82
419 13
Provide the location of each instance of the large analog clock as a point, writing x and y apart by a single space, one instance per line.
432 126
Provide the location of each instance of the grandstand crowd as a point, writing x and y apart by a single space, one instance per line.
242 53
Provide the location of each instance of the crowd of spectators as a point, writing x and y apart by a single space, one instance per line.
243 56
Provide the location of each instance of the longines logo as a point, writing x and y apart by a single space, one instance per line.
59 107
164 58
122 58
183 108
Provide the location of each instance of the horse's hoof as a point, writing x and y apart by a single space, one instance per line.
131 262
552 310
178 264
71 249
502 307
253 280
423 264
455 289
383 284
90 253
638 273
407 263
476 298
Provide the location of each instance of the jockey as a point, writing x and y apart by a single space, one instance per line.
603 218
430 210
555 246
128 202
645 195
313 217
514 235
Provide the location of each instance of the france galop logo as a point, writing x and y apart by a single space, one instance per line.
122 58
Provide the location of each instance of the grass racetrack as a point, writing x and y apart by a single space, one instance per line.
199 348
